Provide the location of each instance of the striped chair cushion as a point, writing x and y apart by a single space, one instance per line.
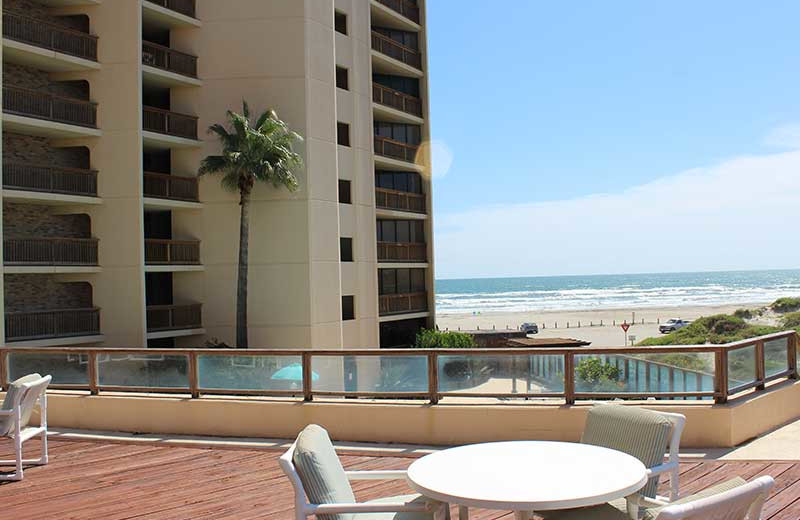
321 471
641 433
14 389
652 513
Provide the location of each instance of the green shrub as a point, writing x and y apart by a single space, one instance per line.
428 338
745 314
786 305
717 329
592 370
791 320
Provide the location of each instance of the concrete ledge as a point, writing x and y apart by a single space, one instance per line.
450 423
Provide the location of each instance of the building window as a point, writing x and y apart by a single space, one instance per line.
346 249
348 308
340 22
345 192
342 78
400 181
401 281
343 134
405 231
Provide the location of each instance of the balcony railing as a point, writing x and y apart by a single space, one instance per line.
396 99
49 36
174 317
402 252
399 200
402 303
186 7
169 123
396 50
43 105
47 324
408 9
50 251
393 149
49 179
168 59
731 371
171 252
174 187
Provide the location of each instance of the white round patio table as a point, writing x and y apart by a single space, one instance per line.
526 476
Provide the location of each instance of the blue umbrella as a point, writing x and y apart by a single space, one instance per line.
293 372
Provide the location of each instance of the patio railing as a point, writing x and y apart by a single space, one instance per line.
50 251
395 99
718 372
168 59
396 50
394 149
171 252
43 105
174 317
399 200
169 123
175 187
408 9
49 36
186 7
49 179
46 324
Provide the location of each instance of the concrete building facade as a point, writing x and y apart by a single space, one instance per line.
109 237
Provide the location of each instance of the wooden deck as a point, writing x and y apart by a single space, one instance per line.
94 480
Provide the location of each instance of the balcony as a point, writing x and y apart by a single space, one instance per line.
164 318
390 304
399 200
74 182
50 252
402 252
51 324
47 46
166 67
177 129
184 7
403 7
397 51
171 252
171 187
387 147
41 113
396 100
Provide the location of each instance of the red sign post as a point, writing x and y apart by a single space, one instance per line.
625 327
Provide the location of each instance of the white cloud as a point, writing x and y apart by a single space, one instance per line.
786 136
739 214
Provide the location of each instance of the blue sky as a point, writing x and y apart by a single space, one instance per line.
564 102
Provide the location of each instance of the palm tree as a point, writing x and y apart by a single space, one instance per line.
261 152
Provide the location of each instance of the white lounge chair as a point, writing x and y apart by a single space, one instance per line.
322 486
732 500
15 414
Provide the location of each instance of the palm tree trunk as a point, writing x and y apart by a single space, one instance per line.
241 287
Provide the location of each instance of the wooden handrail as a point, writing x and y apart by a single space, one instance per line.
169 59
396 50
402 252
50 251
436 361
42 33
395 99
399 200
171 252
51 323
49 179
408 9
395 149
174 187
168 122
51 107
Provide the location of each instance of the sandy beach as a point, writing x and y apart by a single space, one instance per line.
586 324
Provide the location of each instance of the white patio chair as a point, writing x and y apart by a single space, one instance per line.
732 500
322 486
644 434
15 414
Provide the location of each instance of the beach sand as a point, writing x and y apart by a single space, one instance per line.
553 324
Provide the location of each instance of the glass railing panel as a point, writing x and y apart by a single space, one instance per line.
66 369
650 374
501 374
371 374
776 356
143 370
234 372
741 366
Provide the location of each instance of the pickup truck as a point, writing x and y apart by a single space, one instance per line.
672 325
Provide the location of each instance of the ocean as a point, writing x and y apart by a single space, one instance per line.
613 291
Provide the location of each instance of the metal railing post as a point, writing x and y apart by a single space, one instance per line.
92 373
760 365
308 394
569 378
792 355
721 376
433 378
193 376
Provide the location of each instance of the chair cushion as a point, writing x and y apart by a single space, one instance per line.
641 433
396 516
321 471
652 513
14 389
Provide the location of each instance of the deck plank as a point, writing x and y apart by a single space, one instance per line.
118 481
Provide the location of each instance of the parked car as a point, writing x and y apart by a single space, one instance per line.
672 325
529 328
